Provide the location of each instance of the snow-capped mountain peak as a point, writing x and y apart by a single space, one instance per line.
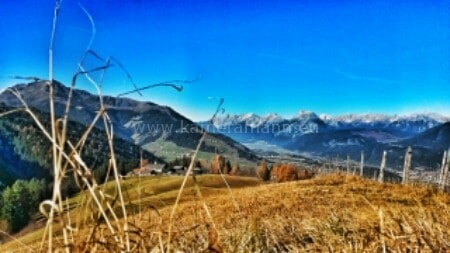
305 115
251 119
272 118
310 122
247 116
426 117
361 118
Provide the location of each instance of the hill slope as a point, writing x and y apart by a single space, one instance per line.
437 138
25 152
337 212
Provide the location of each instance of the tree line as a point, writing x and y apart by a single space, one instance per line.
20 201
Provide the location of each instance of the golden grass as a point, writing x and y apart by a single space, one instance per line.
155 192
332 213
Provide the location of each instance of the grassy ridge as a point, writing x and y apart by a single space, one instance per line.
331 212
140 193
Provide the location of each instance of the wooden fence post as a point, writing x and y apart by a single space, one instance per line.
445 172
337 163
382 167
441 172
361 166
348 164
407 165
330 165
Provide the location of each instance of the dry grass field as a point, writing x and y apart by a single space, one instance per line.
330 213
209 213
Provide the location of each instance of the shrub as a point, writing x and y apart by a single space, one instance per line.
16 205
263 172
284 172
20 201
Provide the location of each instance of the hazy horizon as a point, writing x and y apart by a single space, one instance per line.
327 57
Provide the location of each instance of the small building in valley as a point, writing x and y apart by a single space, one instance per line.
149 169
177 170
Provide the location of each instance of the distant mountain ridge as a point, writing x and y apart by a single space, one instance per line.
275 129
326 136
437 138
416 123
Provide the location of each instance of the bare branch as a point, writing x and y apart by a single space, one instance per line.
127 73
11 112
173 83
176 87
218 110
56 193
93 29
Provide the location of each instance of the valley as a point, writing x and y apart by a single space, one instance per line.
329 137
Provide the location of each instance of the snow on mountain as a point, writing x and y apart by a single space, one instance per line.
227 120
410 123
326 135
363 118
272 118
418 123
249 119
308 122
305 115
426 117
252 120
305 122
358 120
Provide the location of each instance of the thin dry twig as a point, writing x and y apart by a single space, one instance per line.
183 184
17 240
11 112
164 84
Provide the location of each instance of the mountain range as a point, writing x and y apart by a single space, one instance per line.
309 122
331 136
159 130
165 134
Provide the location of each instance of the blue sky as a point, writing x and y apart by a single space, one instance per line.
330 57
